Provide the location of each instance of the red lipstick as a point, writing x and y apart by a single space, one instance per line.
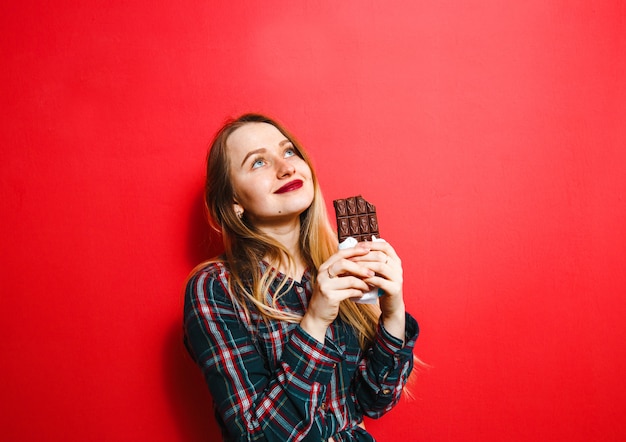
291 185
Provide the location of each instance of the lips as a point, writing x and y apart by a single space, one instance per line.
291 185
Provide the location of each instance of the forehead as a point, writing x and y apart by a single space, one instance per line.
252 136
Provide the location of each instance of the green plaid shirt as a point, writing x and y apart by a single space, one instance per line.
271 381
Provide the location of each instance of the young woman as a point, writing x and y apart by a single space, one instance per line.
286 352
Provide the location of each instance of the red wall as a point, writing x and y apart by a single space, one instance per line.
489 134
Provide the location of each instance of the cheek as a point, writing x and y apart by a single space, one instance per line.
245 195
305 170
240 189
249 191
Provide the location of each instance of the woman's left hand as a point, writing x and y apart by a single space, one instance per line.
386 263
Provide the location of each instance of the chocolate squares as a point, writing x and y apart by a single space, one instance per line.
356 218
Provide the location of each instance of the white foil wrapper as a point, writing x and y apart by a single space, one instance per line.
370 297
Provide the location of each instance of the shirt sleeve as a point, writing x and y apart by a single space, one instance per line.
254 403
384 370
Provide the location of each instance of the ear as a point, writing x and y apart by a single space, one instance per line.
238 208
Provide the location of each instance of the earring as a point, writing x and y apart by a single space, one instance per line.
239 213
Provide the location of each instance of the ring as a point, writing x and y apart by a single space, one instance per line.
330 275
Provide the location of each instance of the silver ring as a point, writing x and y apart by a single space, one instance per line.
330 275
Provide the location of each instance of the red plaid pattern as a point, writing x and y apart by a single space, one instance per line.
271 381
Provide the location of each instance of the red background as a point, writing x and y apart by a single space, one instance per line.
489 134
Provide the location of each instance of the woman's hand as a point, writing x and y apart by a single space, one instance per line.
384 261
341 277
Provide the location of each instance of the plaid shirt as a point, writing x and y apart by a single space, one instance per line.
271 381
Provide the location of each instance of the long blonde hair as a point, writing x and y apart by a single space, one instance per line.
245 246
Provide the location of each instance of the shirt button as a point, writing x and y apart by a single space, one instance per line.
323 406
386 391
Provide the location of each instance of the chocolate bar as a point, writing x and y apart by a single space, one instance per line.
356 218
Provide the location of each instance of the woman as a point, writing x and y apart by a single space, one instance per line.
286 353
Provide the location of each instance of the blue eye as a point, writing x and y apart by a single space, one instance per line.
290 153
258 163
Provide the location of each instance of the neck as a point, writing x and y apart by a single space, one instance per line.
289 237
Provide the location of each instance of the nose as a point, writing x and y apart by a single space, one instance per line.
284 168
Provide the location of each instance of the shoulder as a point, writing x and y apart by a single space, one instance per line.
208 280
211 269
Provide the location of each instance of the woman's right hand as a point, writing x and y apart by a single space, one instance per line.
338 278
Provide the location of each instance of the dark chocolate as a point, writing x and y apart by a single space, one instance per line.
356 218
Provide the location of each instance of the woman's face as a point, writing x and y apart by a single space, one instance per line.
271 182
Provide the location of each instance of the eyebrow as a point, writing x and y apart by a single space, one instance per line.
262 150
